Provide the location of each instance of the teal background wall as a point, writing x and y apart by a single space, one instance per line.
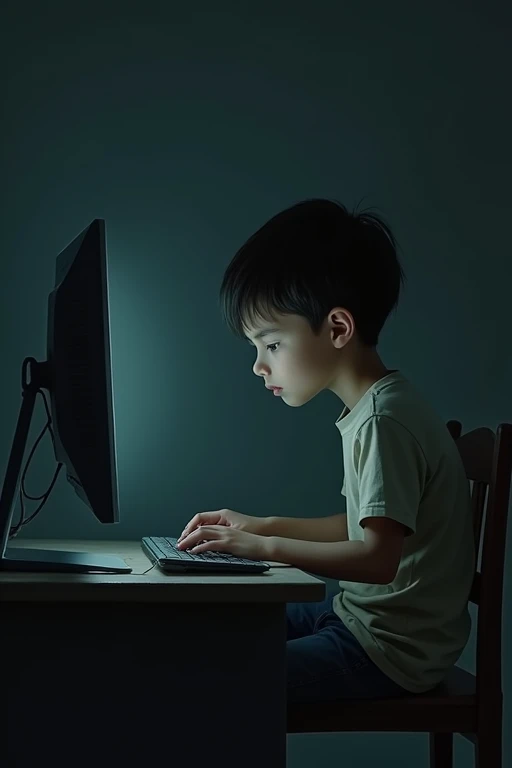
186 128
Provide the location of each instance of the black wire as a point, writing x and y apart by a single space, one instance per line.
24 521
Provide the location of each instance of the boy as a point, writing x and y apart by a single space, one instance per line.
311 291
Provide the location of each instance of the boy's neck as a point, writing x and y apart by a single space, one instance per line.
362 369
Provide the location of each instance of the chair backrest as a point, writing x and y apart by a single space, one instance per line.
487 459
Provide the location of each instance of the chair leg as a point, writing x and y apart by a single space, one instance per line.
441 750
488 747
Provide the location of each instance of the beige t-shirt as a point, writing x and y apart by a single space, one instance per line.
401 462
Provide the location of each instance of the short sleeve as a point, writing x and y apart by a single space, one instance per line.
391 470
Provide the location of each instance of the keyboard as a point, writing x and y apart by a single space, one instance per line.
164 551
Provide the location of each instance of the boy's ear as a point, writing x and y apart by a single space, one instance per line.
342 326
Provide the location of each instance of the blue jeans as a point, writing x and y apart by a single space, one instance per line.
326 662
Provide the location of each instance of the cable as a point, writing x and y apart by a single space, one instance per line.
148 570
22 521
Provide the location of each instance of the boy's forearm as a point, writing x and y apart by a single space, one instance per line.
341 560
331 528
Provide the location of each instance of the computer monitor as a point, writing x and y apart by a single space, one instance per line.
77 374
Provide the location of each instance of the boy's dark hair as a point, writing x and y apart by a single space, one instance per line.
311 258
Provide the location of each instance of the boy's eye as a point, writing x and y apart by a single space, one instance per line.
273 345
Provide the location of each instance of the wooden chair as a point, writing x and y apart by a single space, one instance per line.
464 703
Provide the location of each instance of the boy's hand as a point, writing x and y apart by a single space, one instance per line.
223 538
224 517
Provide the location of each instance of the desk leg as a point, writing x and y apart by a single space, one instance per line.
101 684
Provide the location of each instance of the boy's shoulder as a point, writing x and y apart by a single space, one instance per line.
393 404
396 397
393 396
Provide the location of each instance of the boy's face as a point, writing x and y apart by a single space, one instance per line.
293 358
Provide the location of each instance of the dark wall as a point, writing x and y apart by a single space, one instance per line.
186 129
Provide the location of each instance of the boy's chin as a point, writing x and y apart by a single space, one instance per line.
295 401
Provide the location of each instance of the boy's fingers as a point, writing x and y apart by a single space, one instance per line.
190 526
186 531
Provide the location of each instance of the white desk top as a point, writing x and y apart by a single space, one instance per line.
279 584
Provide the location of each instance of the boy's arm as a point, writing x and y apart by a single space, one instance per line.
331 528
374 560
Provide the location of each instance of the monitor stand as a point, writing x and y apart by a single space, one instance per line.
44 560
59 561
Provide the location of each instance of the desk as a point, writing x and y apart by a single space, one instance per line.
128 670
